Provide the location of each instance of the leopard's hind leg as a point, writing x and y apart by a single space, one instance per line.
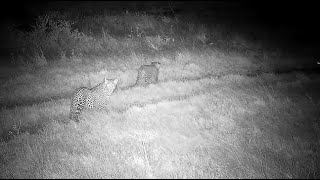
77 105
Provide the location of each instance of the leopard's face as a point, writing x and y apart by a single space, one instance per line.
110 85
156 64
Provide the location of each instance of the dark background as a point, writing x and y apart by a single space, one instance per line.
294 23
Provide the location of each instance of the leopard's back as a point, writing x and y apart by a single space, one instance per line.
148 74
96 97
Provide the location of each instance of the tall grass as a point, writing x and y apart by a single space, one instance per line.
55 36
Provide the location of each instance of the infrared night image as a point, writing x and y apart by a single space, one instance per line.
159 89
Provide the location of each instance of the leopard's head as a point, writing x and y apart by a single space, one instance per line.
156 64
111 84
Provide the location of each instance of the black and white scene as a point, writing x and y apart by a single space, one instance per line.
216 89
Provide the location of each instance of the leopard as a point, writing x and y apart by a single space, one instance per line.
148 74
90 98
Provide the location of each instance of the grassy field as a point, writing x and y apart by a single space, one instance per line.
220 110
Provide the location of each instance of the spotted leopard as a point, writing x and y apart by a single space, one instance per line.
89 98
148 74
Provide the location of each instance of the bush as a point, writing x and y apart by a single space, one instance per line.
52 38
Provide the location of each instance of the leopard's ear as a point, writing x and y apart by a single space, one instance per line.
115 81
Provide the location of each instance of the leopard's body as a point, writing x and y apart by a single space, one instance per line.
89 98
148 74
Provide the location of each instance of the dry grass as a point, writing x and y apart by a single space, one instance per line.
233 127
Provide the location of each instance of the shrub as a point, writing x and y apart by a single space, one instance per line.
51 38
